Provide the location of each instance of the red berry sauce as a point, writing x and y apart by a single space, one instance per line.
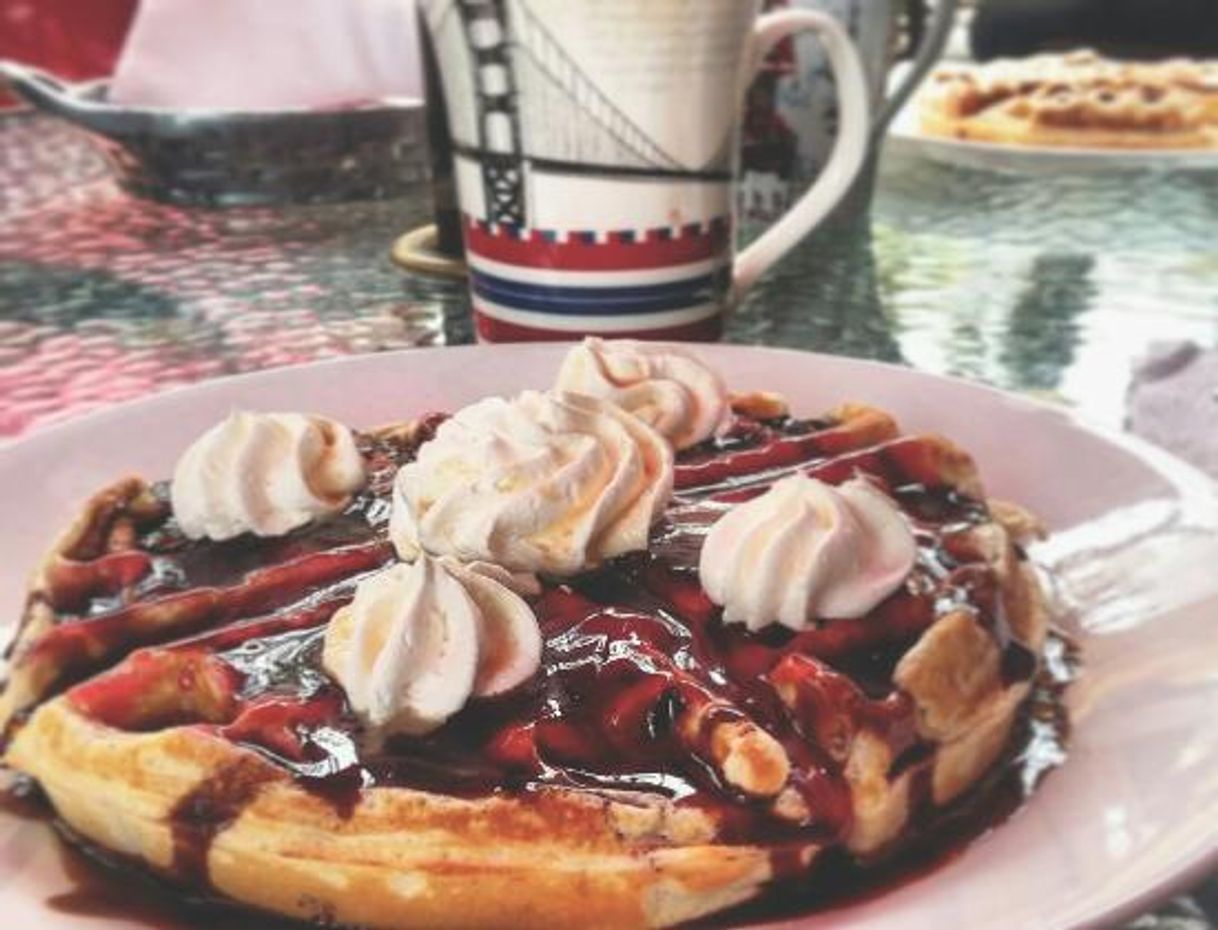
637 669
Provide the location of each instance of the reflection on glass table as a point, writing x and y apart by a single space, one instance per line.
1048 284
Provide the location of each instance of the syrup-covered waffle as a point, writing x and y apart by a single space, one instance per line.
170 696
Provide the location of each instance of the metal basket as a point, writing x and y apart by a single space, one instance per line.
225 158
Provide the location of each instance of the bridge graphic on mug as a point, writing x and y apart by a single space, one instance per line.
594 154
552 96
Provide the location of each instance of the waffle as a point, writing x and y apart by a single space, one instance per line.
169 697
1077 100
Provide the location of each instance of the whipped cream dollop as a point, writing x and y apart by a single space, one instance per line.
419 640
264 473
551 482
663 385
806 550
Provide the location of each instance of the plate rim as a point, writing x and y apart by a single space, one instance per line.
1162 459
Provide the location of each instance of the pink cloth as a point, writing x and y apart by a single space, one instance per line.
1174 402
269 54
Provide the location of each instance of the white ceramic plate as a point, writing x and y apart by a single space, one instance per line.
1131 816
905 137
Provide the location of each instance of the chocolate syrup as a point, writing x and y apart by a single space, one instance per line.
106 885
637 668
168 587
937 836
21 797
203 813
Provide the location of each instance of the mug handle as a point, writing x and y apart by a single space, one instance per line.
929 53
849 150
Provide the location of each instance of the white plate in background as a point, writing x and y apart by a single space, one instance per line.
906 138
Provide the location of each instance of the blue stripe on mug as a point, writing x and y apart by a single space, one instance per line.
577 323
600 301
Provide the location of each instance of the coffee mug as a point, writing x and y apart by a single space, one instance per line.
595 147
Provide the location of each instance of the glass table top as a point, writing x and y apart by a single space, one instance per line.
1051 285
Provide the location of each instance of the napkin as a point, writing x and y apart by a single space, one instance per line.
1173 401
268 54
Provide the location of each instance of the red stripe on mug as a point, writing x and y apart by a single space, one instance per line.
620 250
